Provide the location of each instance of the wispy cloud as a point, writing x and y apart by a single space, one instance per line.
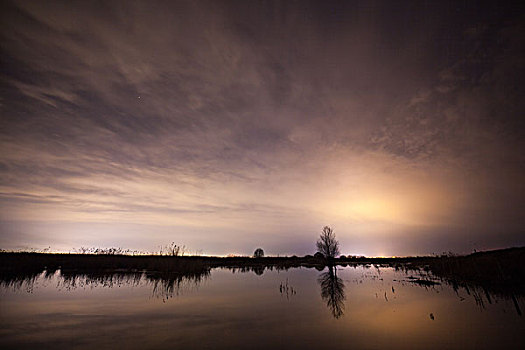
257 120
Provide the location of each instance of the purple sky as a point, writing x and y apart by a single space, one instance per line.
226 126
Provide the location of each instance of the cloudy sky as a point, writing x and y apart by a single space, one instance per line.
227 126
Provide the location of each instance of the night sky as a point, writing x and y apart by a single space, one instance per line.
227 126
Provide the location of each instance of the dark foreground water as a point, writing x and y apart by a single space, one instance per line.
353 307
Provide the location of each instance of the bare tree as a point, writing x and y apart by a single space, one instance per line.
259 253
327 244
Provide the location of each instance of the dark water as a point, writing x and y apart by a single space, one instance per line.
352 307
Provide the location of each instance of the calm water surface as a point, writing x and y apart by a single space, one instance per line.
353 307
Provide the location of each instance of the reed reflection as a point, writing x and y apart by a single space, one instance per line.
168 285
333 291
24 279
164 285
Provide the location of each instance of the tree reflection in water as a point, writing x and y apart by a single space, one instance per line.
333 291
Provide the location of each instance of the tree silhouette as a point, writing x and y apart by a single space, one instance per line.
333 292
327 244
259 253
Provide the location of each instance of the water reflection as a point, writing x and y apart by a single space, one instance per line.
389 308
257 269
72 280
21 279
163 285
333 291
167 285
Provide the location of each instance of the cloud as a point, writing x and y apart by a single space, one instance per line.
247 119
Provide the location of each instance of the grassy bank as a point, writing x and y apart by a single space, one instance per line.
497 271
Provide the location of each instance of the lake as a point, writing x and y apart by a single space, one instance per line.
359 307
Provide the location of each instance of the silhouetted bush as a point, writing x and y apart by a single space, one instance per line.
259 253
